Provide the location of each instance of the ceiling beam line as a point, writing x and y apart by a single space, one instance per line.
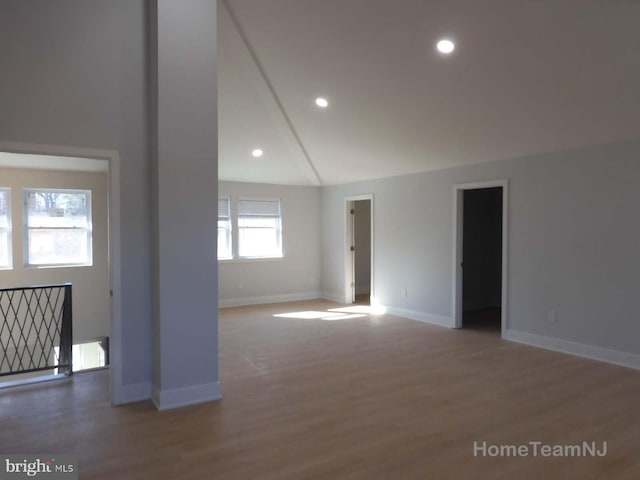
272 90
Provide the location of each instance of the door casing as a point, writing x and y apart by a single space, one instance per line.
349 272
458 236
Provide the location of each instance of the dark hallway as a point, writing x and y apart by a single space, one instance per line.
482 259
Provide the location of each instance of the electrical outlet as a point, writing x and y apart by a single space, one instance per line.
552 316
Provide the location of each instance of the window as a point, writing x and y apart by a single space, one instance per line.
5 228
57 227
86 356
224 229
259 228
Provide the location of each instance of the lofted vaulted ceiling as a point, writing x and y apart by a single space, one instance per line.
527 76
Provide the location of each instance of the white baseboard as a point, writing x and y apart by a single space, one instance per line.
420 316
615 357
244 301
136 392
32 380
332 297
181 397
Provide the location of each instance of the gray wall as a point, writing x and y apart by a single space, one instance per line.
297 275
74 74
362 232
573 242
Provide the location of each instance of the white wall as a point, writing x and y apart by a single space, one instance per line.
297 275
90 283
74 74
573 242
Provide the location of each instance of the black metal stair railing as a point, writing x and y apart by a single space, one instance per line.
36 330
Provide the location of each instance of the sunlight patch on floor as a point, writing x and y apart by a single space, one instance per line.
311 315
366 309
332 314
343 317
317 315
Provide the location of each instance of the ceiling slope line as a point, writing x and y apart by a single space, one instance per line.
272 91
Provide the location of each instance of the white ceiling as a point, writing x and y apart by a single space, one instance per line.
527 76
48 162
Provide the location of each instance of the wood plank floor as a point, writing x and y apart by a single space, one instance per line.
373 397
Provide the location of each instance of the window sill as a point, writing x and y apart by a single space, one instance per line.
251 260
62 265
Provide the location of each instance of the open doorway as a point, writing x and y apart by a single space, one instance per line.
359 288
97 329
480 285
55 223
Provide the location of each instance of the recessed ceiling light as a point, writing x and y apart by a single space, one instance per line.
257 153
445 46
322 102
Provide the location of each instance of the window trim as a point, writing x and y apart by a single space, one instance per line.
27 228
280 230
230 230
9 230
251 259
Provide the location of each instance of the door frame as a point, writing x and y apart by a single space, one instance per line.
458 235
349 291
117 394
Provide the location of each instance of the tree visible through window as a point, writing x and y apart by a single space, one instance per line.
5 228
58 227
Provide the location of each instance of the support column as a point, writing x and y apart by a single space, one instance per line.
184 143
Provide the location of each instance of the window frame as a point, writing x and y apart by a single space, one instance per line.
9 230
88 229
279 229
229 230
